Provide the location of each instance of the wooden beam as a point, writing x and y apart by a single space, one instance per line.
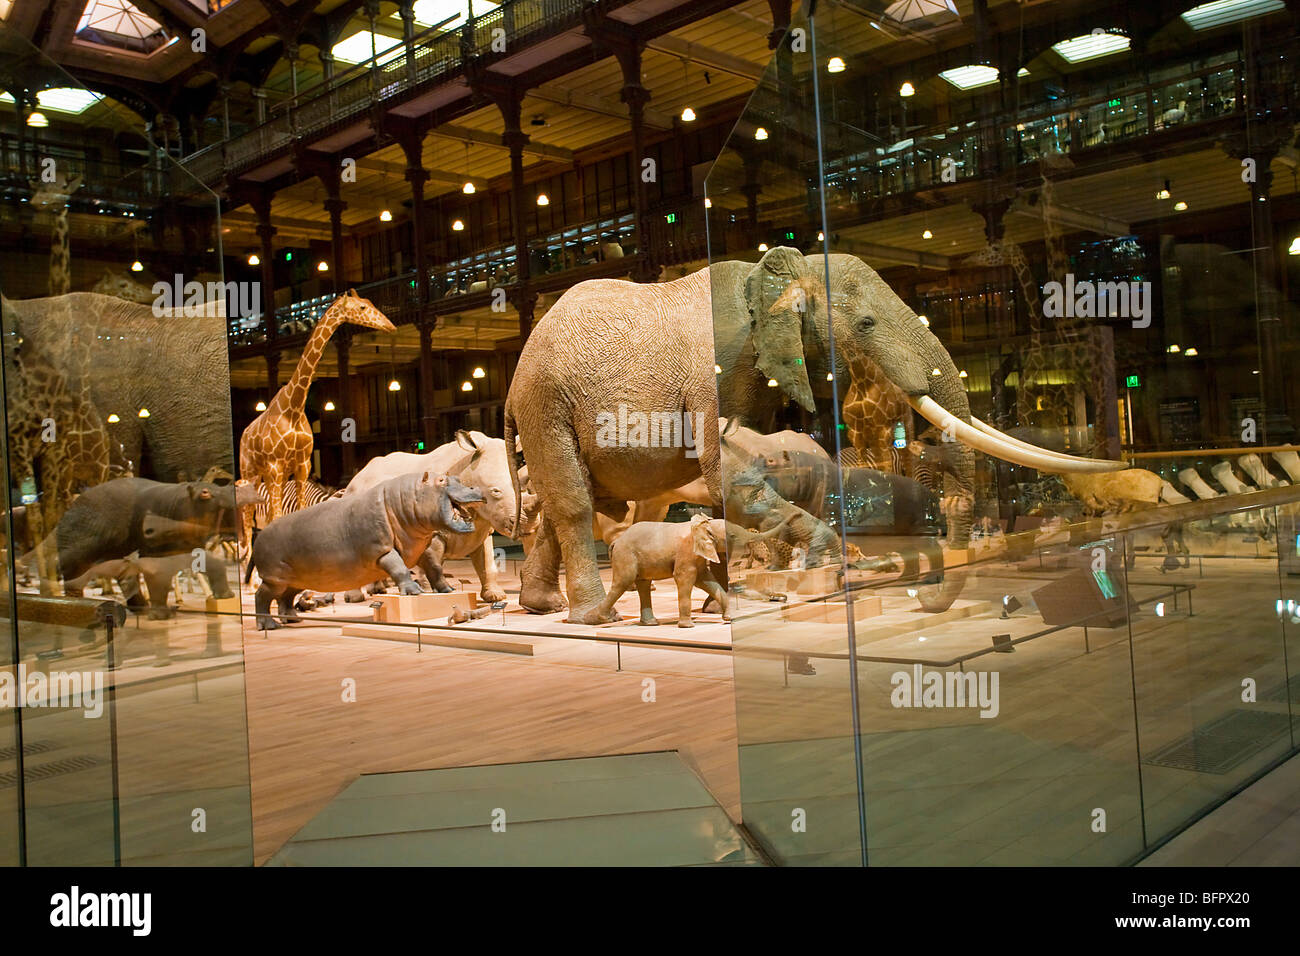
464 134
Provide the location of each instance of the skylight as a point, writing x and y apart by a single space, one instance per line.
430 12
974 76
1090 46
1210 15
61 99
119 17
356 48
905 10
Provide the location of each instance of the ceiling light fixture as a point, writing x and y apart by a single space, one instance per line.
762 247
907 89
329 406
479 373
468 188
1180 206
394 386
137 266
143 413
254 259
1090 46
1294 248
260 406
113 419
467 386
543 199
37 119
1191 352
760 134
1210 15
688 115
927 234
386 216
322 266
835 65
457 226
1164 193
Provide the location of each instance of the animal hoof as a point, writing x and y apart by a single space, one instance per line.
160 613
595 616
650 621
444 588
492 595
354 597
411 588
543 602
685 623
267 623
221 593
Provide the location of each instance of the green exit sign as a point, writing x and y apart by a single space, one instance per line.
1132 381
1113 103
671 217
789 236
419 446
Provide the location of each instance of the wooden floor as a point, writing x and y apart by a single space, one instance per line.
446 707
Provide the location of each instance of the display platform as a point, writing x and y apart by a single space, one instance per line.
645 809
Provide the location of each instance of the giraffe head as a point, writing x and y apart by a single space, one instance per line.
355 310
55 193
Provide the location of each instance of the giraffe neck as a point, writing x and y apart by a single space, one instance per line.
60 276
296 389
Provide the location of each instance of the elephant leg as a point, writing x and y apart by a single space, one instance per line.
485 567
647 610
685 578
392 565
355 596
716 592
218 578
262 606
157 585
540 578
130 585
431 564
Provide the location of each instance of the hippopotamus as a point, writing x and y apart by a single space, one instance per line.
128 515
343 543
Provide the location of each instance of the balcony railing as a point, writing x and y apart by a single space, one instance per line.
434 55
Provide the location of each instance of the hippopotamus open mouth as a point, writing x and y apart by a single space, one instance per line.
458 505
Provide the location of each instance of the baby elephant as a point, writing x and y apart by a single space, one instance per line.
654 550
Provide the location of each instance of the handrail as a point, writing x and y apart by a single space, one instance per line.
1226 452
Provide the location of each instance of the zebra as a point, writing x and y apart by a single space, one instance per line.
316 493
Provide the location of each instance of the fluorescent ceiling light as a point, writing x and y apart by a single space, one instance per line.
970 77
974 76
356 48
1210 15
1090 46
61 100
429 12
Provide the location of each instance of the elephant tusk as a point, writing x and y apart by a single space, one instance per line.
989 430
1003 446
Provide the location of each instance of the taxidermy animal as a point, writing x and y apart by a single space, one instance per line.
687 552
126 516
650 349
158 573
352 540
1116 493
481 463
175 368
277 444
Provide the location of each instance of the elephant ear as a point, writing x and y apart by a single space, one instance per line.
701 540
778 294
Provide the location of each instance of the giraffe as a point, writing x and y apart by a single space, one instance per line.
872 406
55 436
56 195
277 445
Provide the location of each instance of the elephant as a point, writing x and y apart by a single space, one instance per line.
611 348
479 462
137 516
165 378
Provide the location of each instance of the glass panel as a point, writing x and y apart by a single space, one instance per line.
1213 697
123 599
791 638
